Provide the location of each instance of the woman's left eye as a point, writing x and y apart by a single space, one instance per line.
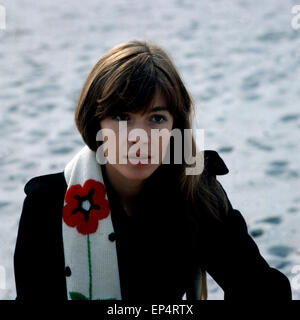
159 118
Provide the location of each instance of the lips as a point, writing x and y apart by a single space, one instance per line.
138 156
141 159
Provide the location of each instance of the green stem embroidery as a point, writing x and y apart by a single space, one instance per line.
90 267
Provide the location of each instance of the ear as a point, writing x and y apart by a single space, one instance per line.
214 164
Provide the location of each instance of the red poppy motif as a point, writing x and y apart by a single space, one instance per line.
85 206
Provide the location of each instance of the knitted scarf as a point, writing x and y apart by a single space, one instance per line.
91 262
90 257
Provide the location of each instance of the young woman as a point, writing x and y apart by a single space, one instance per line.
136 229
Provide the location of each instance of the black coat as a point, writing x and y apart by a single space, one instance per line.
156 256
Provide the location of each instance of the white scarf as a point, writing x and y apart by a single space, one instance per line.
89 254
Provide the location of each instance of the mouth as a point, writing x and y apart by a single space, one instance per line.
139 157
140 160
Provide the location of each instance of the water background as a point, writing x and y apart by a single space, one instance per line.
239 60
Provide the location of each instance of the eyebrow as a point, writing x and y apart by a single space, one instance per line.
159 108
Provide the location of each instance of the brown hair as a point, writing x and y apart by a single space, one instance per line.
126 79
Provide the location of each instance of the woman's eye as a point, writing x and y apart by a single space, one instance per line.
159 118
121 117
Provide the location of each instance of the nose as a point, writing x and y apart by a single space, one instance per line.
140 133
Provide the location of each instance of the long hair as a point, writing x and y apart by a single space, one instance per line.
125 79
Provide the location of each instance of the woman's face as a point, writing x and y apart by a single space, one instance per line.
139 145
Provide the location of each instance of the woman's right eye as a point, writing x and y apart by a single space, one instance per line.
121 117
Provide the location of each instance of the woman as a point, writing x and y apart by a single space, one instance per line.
134 230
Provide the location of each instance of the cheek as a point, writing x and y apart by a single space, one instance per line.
165 141
110 140
159 146
164 147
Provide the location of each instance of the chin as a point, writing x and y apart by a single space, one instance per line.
133 172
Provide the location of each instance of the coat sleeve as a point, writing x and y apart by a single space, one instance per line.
234 261
37 256
26 253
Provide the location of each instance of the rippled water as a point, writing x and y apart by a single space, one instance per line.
239 60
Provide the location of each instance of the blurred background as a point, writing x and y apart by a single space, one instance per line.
239 60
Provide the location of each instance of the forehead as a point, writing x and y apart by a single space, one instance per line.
159 99
158 103
139 104
154 108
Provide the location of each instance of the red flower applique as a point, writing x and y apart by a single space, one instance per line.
85 206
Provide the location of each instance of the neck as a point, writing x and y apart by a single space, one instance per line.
126 189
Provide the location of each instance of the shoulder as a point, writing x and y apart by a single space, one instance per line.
44 196
213 163
54 182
